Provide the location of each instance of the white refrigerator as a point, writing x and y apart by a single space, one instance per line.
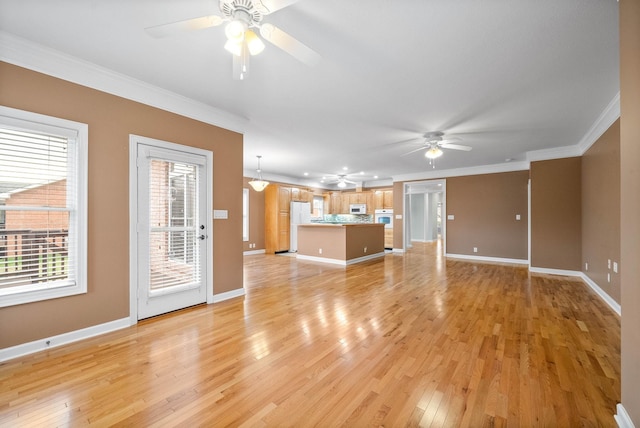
300 214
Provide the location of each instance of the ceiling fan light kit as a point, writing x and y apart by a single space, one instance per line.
242 41
258 184
433 153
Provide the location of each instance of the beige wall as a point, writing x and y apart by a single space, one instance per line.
256 218
601 211
556 228
485 209
630 203
111 119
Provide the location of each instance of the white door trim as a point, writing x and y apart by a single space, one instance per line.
134 141
406 239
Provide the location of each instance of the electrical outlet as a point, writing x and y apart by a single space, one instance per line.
608 277
586 266
475 249
517 216
365 249
319 250
615 267
609 264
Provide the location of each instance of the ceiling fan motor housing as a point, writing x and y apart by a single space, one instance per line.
248 11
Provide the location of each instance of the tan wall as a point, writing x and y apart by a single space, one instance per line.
111 119
361 237
601 210
331 239
556 230
630 203
256 218
485 209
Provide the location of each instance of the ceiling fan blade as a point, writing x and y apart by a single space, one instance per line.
456 147
269 6
287 43
174 28
415 150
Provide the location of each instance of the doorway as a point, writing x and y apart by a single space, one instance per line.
425 211
171 243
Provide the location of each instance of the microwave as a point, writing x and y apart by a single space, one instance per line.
358 209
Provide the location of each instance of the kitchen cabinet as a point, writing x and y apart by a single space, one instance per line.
383 199
277 218
301 195
335 203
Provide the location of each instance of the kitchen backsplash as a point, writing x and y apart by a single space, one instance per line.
348 218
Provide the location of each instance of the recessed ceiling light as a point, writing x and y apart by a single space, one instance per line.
508 159
306 174
345 168
361 172
375 176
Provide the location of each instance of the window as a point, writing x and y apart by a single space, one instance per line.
43 194
245 214
318 206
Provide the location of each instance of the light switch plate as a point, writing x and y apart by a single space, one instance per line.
451 217
220 214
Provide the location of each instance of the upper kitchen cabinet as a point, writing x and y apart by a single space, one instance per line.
301 195
383 199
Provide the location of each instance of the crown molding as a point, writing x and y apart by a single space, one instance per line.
609 115
24 53
459 172
555 153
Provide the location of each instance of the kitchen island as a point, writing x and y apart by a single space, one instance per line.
342 244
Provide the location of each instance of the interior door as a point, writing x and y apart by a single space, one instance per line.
172 233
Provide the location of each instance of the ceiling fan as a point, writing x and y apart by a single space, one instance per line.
342 180
434 142
241 17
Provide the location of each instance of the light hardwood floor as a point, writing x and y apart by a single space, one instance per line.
406 340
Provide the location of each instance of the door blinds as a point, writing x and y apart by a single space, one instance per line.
173 234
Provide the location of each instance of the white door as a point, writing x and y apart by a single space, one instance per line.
171 229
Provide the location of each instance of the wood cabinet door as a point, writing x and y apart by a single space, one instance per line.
295 194
335 203
345 202
378 198
284 221
388 199
284 199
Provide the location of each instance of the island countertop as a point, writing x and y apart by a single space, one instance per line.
343 243
341 225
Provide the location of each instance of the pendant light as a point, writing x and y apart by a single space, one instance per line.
258 184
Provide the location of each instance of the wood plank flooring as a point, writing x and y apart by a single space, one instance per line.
405 340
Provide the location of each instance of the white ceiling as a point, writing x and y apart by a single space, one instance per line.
507 77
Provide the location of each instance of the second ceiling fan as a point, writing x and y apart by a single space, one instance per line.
241 17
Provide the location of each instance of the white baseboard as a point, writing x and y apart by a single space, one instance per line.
398 250
487 259
221 297
561 272
253 252
585 278
62 339
603 295
622 417
338 261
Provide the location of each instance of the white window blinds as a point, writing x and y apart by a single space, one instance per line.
38 209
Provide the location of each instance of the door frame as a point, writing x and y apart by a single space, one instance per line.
134 141
406 238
